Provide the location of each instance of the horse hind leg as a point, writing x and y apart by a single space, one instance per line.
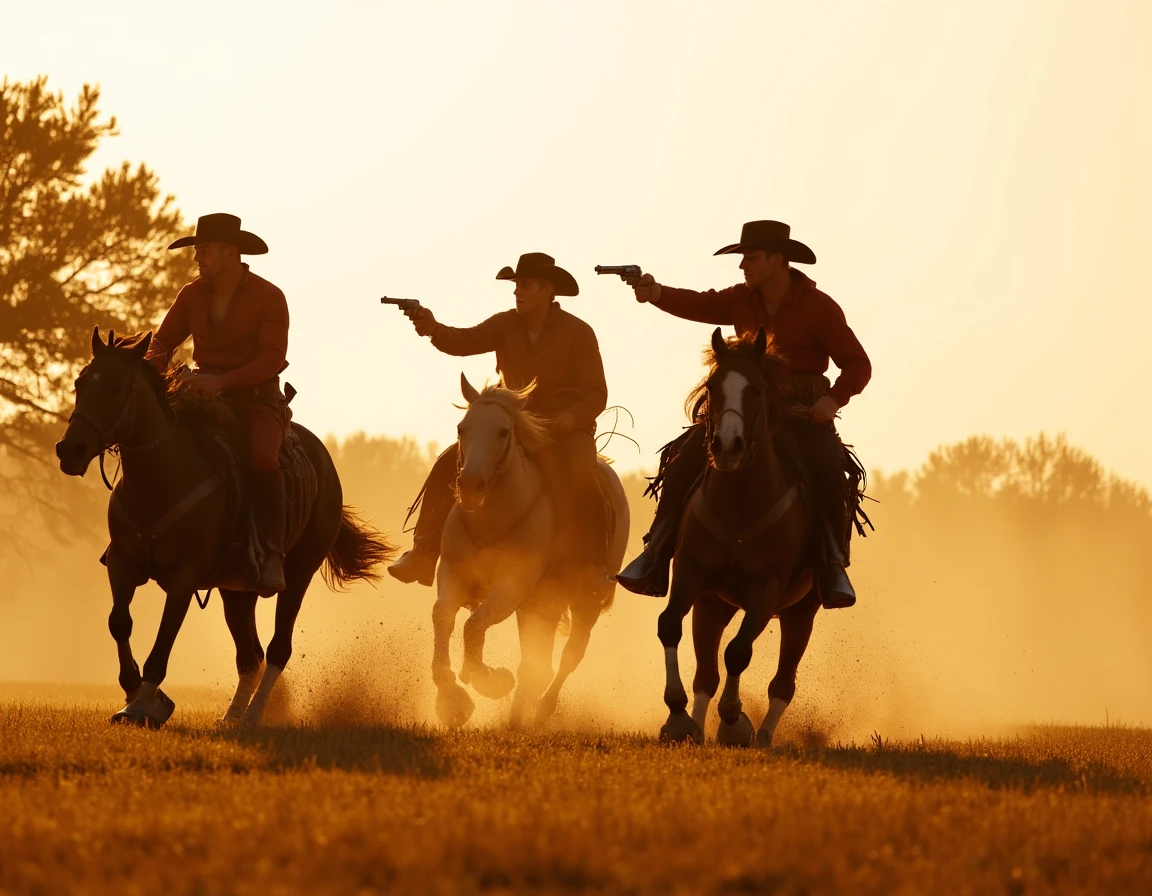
537 640
795 631
709 619
240 614
583 620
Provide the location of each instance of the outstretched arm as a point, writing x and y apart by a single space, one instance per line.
711 307
478 340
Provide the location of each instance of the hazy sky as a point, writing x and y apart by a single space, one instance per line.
974 178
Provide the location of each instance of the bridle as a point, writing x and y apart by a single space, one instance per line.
761 407
498 472
107 439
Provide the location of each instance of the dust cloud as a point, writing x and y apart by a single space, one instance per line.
980 610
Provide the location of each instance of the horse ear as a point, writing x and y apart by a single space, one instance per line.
761 343
468 390
719 346
97 342
140 349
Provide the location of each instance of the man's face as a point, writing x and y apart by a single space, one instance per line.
760 268
532 296
212 259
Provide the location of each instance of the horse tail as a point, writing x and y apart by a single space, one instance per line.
358 553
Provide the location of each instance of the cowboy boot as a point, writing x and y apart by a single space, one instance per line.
268 507
836 590
648 573
419 564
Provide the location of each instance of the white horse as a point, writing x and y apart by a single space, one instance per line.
496 558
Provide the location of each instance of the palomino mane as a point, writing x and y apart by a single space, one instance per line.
531 429
770 363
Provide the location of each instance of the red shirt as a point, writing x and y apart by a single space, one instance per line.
250 343
807 329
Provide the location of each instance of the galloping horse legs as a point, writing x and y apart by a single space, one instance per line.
795 630
123 585
583 619
670 629
240 614
735 727
537 640
710 617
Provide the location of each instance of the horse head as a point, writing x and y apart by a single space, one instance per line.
741 386
495 428
107 401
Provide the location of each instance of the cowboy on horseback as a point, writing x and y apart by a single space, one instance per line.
537 342
239 328
808 329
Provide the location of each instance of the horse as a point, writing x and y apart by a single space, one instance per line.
744 544
498 557
170 518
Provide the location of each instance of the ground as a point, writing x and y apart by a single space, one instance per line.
89 808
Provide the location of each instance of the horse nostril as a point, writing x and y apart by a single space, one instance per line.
715 444
738 444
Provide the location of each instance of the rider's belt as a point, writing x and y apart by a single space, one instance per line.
267 391
805 389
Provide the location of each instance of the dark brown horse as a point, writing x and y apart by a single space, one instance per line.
743 546
171 516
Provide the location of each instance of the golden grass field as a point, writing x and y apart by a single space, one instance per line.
89 808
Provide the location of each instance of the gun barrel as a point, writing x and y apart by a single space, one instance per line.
404 304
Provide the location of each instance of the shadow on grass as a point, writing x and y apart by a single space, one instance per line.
937 764
383 749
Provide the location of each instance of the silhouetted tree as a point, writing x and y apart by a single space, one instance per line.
74 253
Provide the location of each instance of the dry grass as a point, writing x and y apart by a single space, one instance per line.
87 808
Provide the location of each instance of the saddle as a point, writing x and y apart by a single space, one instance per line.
214 428
220 438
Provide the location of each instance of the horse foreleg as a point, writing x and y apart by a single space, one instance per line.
240 614
735 727
152 707
537 639
501 603
670 629
123 586
795 630
709 619
288 604
583 619
453 705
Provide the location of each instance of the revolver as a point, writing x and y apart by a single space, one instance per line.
629 273
408 306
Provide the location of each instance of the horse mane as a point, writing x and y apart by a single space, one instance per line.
531 429
770 363
170 387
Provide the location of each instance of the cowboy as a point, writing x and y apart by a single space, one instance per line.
808 328
239 328
537 342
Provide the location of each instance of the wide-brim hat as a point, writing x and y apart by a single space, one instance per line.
771 236
222 228
538 266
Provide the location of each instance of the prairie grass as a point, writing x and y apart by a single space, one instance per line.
89 808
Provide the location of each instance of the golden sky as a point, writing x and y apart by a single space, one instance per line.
974 178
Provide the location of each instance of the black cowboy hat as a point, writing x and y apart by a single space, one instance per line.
771 236
222 228
539 266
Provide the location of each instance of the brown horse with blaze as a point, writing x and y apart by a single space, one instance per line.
744 544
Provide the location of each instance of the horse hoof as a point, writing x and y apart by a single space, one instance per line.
739 734
764 739
123 717
545 709
454 707
151 714
495 684
681 728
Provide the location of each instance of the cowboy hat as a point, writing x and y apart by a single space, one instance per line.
222 228
538 266
771 236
